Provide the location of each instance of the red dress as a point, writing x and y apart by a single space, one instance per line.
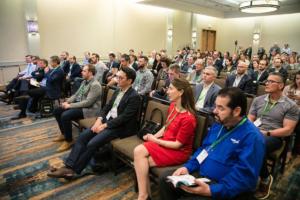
182 128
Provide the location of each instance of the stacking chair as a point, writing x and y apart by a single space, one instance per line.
220 82
250 98
260 90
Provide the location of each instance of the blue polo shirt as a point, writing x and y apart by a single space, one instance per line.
234 163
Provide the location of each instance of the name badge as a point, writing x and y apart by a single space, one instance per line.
257 122
202 156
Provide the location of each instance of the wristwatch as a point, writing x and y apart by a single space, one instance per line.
268 133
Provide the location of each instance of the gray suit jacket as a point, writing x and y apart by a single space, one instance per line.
91 99
211 95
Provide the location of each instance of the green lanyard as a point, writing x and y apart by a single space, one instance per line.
268 108
218 141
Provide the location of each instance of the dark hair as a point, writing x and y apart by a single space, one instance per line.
28 56
145 58
126 57
134 57
44 61
96 55
165 60
175 67
187 100
112 55
91 68
279 75
55 59
294 84
130 73
267 62
237 98
67 53
230 59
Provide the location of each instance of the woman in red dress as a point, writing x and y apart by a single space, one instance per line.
172 145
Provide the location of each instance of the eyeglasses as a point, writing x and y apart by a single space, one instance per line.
271 81
120 77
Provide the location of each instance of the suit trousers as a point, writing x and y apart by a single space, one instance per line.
87 144
64 119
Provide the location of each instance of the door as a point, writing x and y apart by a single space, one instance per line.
208 40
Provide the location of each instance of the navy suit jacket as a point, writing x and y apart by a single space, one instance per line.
54 83
128 109
263 77
210 98
75 71
65 66
246 84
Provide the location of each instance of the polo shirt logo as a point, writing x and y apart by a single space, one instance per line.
234 141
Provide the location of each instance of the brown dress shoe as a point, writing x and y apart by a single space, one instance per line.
63 172
65 146
59 138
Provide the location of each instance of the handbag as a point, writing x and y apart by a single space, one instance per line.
151 126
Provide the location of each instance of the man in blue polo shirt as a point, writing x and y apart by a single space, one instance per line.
231 154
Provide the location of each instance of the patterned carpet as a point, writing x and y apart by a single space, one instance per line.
27 152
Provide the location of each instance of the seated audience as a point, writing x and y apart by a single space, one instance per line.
173 72
84 103
64 62
133 60
86 58
124 63
217 62
189 65
50 86
113 61
276 116
163 72
230 156
118 119
229 68
196 74
13 85
278 68
99 66
206 92
73 73
241 79
144 77
262 73
111 76
156 64
171 145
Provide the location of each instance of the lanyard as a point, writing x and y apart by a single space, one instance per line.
218 141
266 109
168 122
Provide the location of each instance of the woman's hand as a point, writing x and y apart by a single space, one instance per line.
149 137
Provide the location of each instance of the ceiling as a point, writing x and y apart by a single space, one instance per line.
220 8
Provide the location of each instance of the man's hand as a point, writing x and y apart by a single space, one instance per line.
100 128
65 105
151 93
96 124
180 171
202 188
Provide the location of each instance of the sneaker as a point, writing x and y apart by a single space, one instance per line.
65 146
59 138
263 191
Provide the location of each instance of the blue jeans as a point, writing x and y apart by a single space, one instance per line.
87 144
64 119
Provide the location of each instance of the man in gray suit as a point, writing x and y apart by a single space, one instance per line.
84 103
206 92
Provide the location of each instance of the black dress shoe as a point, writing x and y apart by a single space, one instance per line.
20 116
16 107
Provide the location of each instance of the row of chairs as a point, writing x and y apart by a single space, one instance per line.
122 149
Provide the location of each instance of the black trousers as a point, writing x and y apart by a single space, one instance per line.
272 144
87 144
64 119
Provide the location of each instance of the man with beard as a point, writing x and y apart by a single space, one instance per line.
230 156
144 77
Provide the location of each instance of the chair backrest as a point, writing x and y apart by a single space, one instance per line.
201 130
260 90
220 82
104 95
250 98
152 104
160 84
109 95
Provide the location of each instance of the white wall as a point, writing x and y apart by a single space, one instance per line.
100 26
12 31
